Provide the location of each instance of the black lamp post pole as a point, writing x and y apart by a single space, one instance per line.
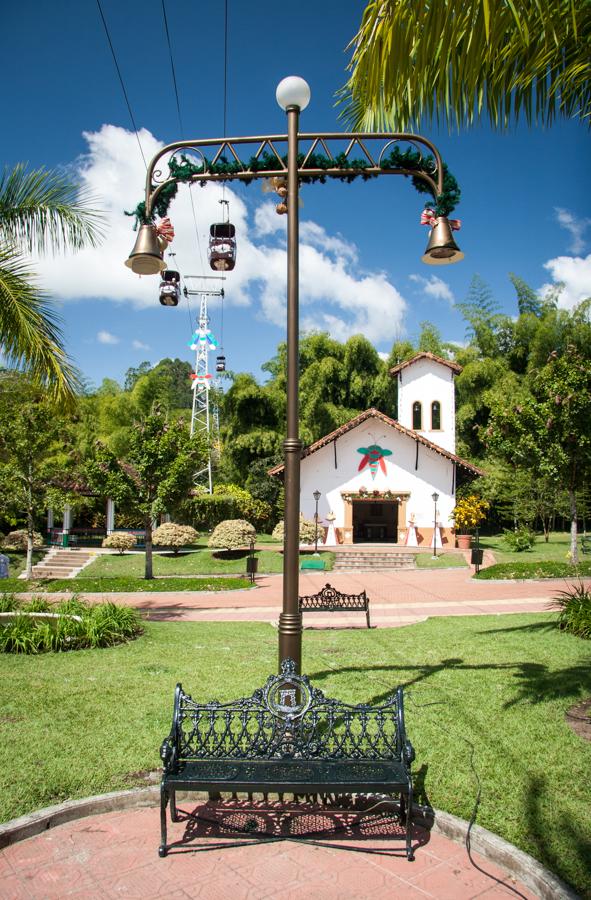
316 496
435 498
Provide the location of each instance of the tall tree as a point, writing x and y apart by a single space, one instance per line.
459 61
549 429
157 473
30 452
44 211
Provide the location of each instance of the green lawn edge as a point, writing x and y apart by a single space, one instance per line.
86 585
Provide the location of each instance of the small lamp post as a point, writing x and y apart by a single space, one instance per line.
316 496
435 498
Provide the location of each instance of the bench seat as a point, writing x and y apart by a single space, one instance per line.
290 776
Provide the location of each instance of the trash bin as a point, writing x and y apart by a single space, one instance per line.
252 565
476 557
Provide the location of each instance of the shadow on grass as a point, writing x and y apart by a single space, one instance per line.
535 682
550 842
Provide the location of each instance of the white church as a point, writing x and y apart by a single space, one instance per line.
383 480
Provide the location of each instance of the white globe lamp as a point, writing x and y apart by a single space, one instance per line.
293 91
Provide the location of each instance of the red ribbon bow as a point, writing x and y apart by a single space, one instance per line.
428 217
165 229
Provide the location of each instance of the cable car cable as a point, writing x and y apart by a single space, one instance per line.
178 107
98 2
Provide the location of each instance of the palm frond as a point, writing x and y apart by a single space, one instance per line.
457 61
30 336
45 210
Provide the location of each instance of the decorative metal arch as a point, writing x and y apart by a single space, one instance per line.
318 158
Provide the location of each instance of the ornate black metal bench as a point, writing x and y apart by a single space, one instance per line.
331 600
287 738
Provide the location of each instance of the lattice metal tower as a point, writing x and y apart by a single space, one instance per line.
203 418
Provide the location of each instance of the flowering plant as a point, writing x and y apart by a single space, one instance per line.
469 513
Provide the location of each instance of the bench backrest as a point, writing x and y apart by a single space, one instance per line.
329 598
288 719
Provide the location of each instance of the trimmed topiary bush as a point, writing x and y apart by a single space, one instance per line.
120 540
17 540
233 534
307 531
176 536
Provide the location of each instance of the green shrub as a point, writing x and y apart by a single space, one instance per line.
575 610
176 536
74 625
120 540
519 539
307 531
232 535
17 540
8 602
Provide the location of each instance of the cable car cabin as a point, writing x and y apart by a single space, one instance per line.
220 364
170 289
222 246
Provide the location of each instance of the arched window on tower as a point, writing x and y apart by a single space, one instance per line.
436 416
417 415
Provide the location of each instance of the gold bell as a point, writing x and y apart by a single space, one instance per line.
146 258
441 249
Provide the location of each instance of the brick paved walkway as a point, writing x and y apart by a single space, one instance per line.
115 855
397 598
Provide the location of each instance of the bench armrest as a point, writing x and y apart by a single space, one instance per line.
408 753
168 753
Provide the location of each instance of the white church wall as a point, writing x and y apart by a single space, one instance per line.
425 381
434 474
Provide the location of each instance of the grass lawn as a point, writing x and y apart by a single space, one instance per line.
544 560
554 551
198 562
110 584
443 561
486 697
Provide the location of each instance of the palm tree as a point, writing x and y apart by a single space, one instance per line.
457 61
40 210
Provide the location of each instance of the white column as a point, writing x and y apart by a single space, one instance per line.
67 524
110 516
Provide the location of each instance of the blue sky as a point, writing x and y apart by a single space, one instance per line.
524 205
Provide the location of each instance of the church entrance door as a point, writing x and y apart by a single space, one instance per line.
375 521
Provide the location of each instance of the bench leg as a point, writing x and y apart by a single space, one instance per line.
174 813
409 851
162 850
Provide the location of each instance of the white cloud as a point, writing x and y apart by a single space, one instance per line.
574 272
139 345
433 287
334 292
105 337
576 227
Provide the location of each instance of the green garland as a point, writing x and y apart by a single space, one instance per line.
186 171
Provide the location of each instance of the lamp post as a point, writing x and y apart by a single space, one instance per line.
435 498
317 162
316 496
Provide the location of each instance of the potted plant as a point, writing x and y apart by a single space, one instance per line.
467 514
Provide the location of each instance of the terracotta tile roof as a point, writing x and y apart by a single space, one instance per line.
375 413
455 367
